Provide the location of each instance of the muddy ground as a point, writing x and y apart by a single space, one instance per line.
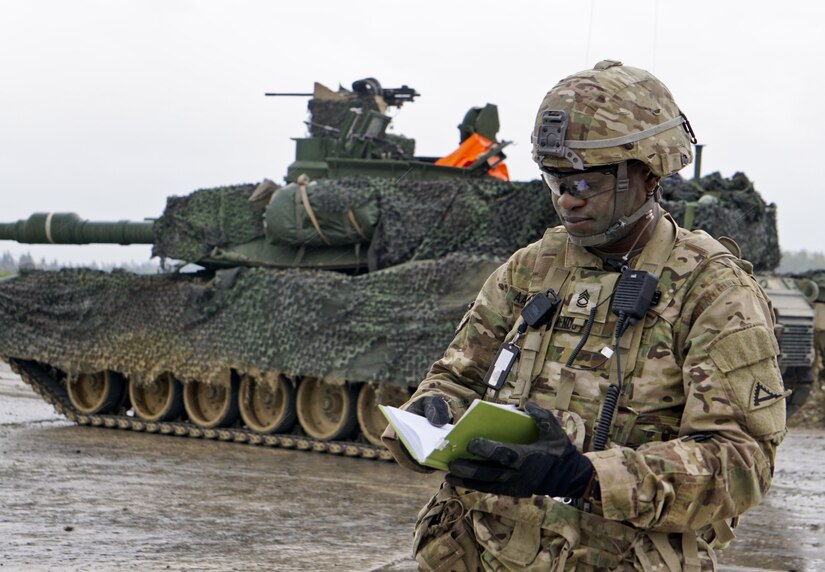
80 498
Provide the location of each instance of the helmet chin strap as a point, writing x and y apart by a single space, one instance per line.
622 225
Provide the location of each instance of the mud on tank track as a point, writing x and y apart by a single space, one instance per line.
43 381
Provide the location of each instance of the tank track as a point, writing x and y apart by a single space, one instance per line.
43 382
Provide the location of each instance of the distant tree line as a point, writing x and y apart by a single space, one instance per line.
792 261
800 261
10 265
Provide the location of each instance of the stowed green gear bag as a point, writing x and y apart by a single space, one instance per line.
321 213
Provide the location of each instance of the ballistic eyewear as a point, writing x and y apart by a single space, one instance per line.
581 184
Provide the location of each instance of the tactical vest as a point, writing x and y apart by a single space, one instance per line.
523 534
653 393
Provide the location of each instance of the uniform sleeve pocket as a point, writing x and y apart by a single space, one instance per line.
746 357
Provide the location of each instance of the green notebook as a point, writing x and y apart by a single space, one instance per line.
436 446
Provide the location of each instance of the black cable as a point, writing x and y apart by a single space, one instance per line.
611 398
585 334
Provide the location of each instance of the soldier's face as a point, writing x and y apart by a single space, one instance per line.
586 202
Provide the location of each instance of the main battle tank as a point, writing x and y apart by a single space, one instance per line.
308 304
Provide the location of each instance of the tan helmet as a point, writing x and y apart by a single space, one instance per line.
610 114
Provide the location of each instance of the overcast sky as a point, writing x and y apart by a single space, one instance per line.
108 107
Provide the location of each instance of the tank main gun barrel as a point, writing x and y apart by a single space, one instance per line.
69 228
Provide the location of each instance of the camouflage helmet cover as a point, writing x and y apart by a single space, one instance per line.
610 114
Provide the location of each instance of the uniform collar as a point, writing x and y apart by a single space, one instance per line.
578 256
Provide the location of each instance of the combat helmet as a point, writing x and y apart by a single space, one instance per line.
607 116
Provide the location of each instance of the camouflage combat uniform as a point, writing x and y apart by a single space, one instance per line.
694 438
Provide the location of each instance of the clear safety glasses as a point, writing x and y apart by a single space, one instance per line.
581 184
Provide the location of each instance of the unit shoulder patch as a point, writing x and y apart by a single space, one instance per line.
762 395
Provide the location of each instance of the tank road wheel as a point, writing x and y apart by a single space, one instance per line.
370 419
211 405
326 410
161 400
267 409
93 393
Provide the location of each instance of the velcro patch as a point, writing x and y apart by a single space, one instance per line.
740 348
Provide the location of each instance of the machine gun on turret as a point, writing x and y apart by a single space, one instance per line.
348 136
396 96
369 86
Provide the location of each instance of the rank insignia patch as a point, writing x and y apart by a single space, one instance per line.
584 297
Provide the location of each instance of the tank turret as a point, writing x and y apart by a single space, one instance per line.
346 173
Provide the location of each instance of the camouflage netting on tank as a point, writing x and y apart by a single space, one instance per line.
386 326
417 220
191 226
727 207
421 220
429 219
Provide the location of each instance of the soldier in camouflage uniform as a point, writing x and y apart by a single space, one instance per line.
700 403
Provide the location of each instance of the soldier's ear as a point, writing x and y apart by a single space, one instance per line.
651 180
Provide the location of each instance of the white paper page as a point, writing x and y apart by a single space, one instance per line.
422 437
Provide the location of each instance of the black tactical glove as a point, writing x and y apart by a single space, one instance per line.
550 466
433 407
